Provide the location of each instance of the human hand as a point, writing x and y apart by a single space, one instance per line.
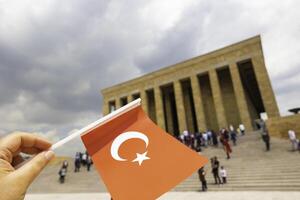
14 182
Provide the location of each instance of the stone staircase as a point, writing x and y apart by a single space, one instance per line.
251 168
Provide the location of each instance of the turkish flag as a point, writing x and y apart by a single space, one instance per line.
136 159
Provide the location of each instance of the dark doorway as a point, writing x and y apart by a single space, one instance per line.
170 111
189 106
151 105
252 92
124 101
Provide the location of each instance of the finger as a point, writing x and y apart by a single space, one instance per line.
28 150
16 142
28 172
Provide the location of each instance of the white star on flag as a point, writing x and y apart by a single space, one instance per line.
141 157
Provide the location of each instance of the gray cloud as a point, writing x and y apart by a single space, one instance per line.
55 56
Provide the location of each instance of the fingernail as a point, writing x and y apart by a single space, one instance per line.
49 155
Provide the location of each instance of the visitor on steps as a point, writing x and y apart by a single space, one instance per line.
77 162
224 138
265 134
198 137
293 139
215 169
205 138
62 174
242 129
223 174
214 138
209 137
202 173
232 134
89 163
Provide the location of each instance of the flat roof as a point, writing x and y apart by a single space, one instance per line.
213 53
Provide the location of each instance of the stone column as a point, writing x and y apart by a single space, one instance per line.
217 96
144 100
105 109
118 102
181 115
197 96
130 98
159 108
265 86
240 96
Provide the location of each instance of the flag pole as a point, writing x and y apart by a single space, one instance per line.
98 123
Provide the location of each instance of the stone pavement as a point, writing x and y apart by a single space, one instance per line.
177 196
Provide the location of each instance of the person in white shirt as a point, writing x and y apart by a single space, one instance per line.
223 174
242 129
293 139
205 138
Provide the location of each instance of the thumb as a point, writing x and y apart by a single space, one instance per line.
28 172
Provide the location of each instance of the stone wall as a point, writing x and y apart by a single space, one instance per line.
279 126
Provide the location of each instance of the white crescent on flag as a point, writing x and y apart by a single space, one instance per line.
118 141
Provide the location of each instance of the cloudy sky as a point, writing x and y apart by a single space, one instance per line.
56 56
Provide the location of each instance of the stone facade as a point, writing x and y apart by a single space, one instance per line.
227 86
279 126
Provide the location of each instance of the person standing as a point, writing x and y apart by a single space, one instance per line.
293 139
209 137
84 158
215 170
225 141
242 129
192 145
233 134
223 174
202 174
77 162
62 174
198 141
205 138
89 162
214 138
265 134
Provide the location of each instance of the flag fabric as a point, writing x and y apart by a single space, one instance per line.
136 159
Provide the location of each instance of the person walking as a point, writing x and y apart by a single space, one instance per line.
89 163
214 138
293 139
215 170
209 137
233 134
265 134
223 174
77 162
242 129
205 138
202 173
225 141
198 137
62 174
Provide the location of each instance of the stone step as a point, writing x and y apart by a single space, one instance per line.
241 189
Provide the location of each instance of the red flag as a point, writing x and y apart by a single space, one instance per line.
136 159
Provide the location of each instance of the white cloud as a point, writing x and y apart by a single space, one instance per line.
55 56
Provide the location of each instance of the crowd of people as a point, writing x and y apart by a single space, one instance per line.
81 160
198 140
